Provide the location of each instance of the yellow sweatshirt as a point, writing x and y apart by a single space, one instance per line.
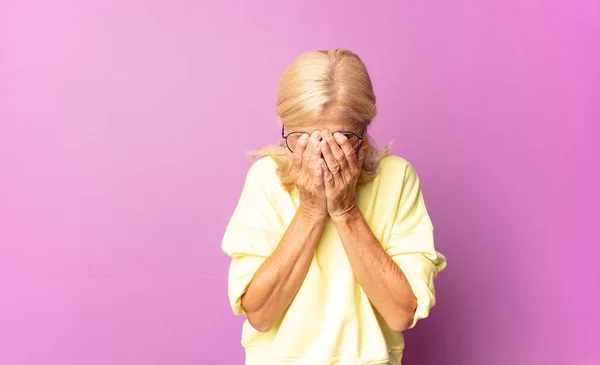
331 321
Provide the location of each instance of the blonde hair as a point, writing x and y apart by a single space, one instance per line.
318 83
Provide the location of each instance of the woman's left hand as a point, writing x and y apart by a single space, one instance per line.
341 168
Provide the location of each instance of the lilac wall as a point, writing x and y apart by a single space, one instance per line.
122 131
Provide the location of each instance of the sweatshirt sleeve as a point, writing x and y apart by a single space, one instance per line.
254 230
411 245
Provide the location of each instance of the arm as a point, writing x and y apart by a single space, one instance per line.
268 267
279 278
382 280
397 279
380 277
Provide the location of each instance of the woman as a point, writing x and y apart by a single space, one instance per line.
331 244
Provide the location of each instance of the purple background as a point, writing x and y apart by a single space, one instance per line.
123 127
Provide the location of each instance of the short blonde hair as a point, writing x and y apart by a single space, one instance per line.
315 84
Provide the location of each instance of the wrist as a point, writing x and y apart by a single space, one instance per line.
347 215
312 214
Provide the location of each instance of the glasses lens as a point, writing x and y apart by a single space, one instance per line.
292 140
353 139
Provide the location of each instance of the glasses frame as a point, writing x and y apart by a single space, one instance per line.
359 137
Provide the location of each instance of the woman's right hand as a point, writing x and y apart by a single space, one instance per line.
309 176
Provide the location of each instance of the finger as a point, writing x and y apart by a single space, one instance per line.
328 180
315 154
347 171
318 178
337 152
307 154
348 151
333 165
298 154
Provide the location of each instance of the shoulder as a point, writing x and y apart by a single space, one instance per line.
262 175
265 167
401 193
396 168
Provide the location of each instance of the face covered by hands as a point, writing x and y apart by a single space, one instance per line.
341 164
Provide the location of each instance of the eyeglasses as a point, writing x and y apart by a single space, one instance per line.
291 140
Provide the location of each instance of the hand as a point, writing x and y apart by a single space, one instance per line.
341 168
308 175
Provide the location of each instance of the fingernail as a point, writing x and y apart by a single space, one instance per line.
303 138
338 137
